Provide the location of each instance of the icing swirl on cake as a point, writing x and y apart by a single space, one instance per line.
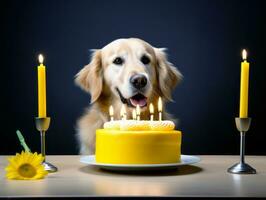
165 125
114 125
133 125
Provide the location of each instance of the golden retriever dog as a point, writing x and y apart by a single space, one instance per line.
126 72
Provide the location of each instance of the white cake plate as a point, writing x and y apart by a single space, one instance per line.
185 160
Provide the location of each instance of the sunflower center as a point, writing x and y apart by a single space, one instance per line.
27 170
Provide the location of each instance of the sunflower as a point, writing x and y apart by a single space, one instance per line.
26 166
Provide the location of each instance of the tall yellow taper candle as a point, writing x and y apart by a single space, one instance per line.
41 88
243 110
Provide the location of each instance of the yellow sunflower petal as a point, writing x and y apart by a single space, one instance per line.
38 160
26 166
13 163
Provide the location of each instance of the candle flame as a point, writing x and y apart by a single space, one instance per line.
138 112
111 110
244 54
151 108
138 109
134 114
160 105
40 58
123 113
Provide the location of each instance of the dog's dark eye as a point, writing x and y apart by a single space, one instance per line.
118 61
145 60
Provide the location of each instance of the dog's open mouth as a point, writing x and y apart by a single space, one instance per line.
137 99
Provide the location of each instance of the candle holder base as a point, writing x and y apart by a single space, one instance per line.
49 167
242 125
42 125
241 168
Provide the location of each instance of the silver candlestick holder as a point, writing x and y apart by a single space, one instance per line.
42 125
242 125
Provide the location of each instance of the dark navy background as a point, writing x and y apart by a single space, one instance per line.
204 40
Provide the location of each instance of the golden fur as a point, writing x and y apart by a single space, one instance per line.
100 78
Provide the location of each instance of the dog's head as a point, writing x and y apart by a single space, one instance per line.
129 71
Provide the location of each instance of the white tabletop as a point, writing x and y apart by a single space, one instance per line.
208 178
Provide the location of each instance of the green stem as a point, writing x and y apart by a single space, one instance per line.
22 141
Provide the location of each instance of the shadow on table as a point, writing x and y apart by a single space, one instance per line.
181 170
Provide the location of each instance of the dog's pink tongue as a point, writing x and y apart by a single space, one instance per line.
140 102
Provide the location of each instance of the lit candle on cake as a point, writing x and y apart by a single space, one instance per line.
243 108
112 124
135 125
161 125
111 113
138 112
134 114
160 108
41 88
123 112
151 108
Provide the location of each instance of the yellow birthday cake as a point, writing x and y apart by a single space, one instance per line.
138 142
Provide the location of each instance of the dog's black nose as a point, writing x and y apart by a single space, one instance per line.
138 81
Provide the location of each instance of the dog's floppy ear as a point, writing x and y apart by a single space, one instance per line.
90 77
167 75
